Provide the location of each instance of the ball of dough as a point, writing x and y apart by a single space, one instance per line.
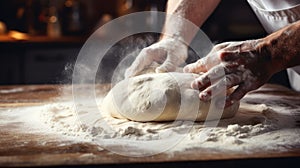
161 97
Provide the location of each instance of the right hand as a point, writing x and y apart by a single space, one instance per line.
169 53
245 64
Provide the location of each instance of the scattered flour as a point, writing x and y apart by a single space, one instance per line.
257 126
263 122
14 90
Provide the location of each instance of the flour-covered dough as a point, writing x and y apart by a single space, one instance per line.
161 97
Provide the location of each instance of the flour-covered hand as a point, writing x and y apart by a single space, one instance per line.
245 64
168 52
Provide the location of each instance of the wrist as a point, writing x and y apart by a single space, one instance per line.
177 27
177 38
173 42
283 46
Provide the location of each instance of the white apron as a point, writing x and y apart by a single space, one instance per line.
274 15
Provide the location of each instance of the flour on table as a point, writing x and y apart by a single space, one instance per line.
263 122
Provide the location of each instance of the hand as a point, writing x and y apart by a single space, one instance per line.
168 52
245 64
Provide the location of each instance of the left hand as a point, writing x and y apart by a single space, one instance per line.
244 64
168 52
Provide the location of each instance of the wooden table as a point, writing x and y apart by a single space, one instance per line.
25 149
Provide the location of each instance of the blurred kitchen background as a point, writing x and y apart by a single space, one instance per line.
40 39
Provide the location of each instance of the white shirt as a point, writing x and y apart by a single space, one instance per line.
278 4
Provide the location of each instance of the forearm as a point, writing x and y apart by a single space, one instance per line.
195 11
283 47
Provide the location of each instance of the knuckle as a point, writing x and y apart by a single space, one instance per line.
147 51
192 67
223 55
204 79
199 62
232 79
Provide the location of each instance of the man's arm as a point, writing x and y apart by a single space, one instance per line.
171 50
196 11
283 47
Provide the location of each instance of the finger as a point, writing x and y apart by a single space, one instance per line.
228 56
237 95
238 56
170 64
196 67
204 64
222 85
220 46
209 77
143 60
201 82
167 66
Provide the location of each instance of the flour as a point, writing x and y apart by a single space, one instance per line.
263 122
15 90
257 126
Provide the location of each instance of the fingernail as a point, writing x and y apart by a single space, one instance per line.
197 84
204 96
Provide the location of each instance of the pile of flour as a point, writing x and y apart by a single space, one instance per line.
261 123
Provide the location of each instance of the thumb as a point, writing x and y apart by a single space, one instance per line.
169 65
143 60
203 64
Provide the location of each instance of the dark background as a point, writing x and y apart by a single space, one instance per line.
46 60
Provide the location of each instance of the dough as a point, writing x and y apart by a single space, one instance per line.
161 97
